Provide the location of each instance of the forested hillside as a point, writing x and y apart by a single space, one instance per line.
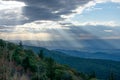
102 68
17 63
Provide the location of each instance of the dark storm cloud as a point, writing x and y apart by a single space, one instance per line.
40 10
50 10
35 13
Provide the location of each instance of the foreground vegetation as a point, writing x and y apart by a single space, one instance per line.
17 63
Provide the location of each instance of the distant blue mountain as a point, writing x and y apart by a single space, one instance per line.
64 44
109 54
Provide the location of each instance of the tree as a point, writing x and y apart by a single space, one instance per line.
26 63
41 55
51 68
2 43
11 46
67 76
18 55
111 77
20 44
4 63
92 75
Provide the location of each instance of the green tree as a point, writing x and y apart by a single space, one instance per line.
11 46
41 55
67 76
51 68
20 44
26 63
92 75
2 43
111 77
18 55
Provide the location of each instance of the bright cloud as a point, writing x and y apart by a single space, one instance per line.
103 1
36 30
108 30
24 36
117 1
11 13
10 4
88 6
80 9
108 23
39 26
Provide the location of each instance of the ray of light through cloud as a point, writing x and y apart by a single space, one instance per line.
64 26
7 8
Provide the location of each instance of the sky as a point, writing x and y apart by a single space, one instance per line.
61 23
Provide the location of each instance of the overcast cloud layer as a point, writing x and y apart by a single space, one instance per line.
53 20
40 10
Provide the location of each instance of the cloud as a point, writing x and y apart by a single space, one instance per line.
88 6
111 37
103 1
33 10
43 30
11 17
51 10
24 36
108 30
93 8
80 9
10 4
52 31
97 23
116 1
39 26
11 13
42 16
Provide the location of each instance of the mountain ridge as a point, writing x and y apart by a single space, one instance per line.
100 66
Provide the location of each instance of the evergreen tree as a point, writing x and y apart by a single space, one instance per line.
111 77
20 44
51 68
92 75
26 63
10 46
2 43
41 55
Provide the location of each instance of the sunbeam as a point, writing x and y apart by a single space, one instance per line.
28 22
